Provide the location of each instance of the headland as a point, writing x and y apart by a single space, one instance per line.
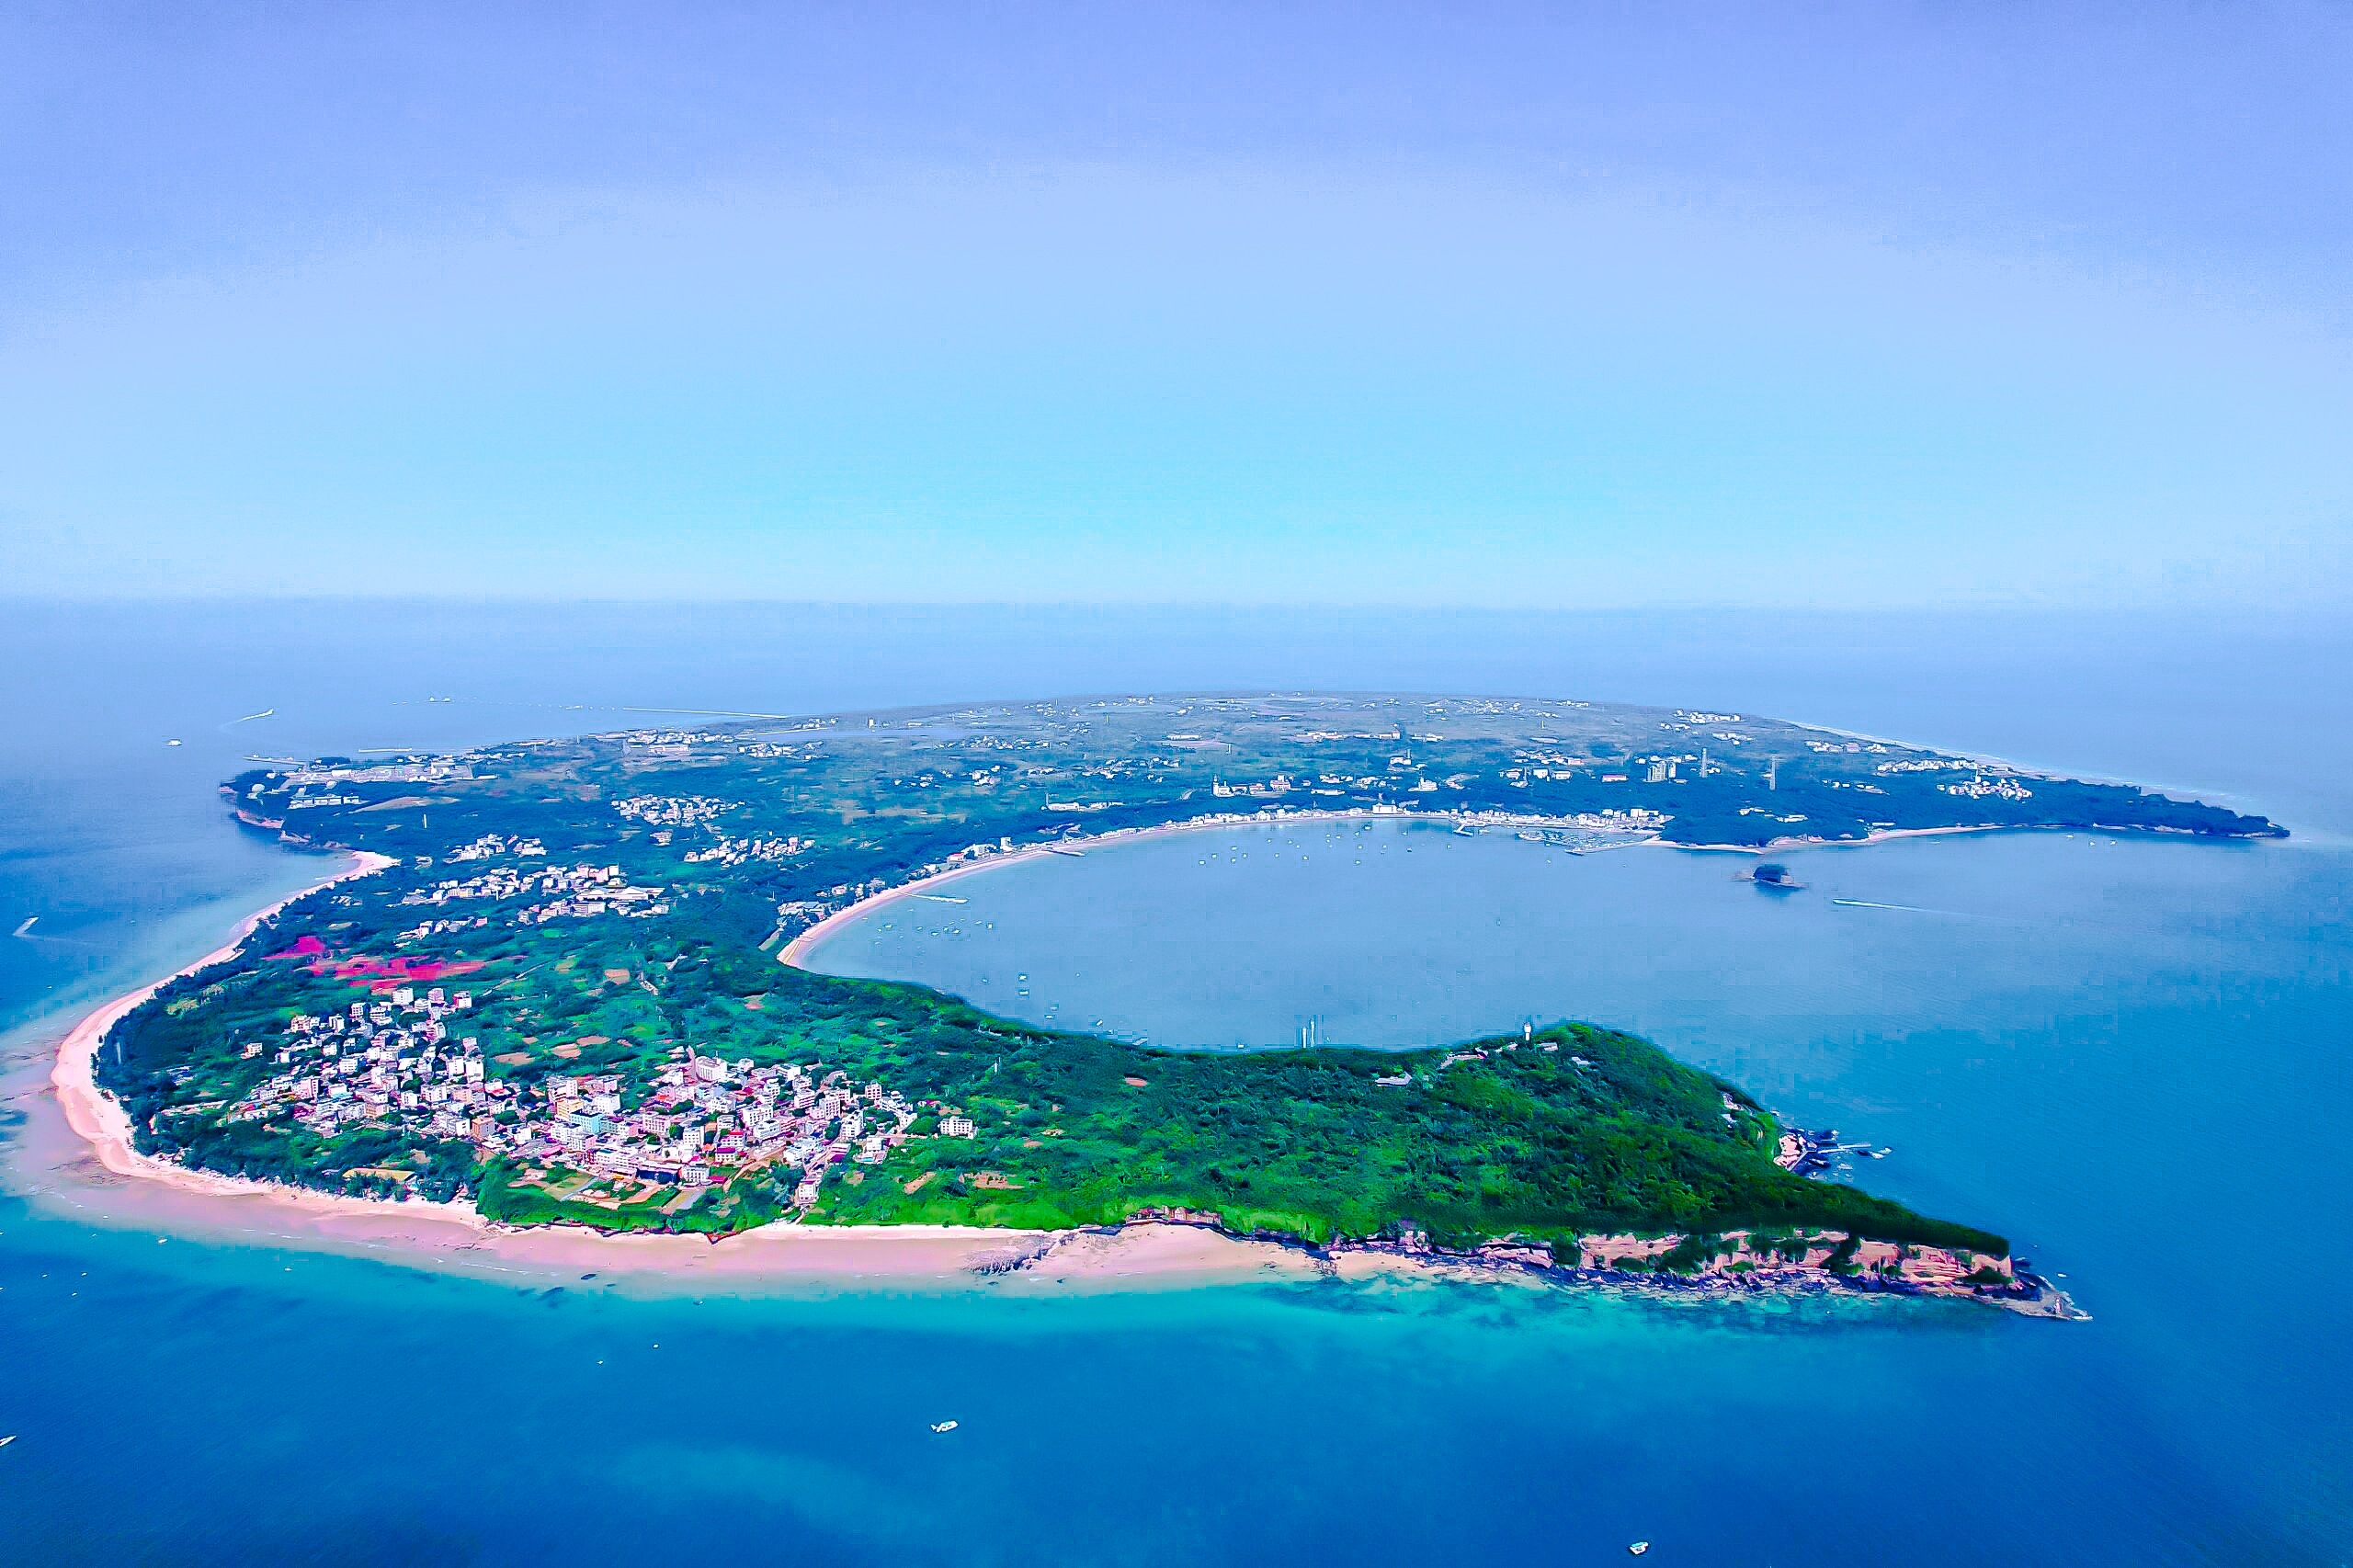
552 1015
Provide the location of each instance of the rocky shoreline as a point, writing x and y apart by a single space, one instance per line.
1826 1263
1817 1262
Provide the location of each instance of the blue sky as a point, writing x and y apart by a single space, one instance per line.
1816 306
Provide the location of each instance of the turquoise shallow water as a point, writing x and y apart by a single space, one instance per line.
2126 1054
2130 1056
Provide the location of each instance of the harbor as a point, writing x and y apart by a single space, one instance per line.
1820 1154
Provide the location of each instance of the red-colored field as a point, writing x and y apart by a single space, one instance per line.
377 974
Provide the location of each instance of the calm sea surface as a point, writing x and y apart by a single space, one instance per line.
2131 1057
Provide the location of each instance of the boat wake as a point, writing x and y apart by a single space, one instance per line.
1908 909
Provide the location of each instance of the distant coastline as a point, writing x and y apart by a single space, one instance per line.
798 947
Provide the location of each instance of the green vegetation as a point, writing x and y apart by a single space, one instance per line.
628 1053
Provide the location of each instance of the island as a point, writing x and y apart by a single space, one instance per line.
562 990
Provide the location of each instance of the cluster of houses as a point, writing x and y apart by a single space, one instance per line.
419 932
579 892
2000 787
493 844
728 851
395 1062
702 1115
428 770
393 1059
1609 819
1926 764
672 811
669 814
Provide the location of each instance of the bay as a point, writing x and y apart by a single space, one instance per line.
2130 1056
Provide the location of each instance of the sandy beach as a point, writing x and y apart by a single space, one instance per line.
798 949
1878 836
95 1114
794 951
105 1178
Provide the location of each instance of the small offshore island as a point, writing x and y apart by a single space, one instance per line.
560 988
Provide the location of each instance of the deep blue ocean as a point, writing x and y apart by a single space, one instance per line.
2131 1057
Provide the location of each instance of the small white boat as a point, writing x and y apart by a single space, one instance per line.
1639 1548
943 1425
8 1440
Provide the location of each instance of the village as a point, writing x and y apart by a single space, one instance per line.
396 1063
580 891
